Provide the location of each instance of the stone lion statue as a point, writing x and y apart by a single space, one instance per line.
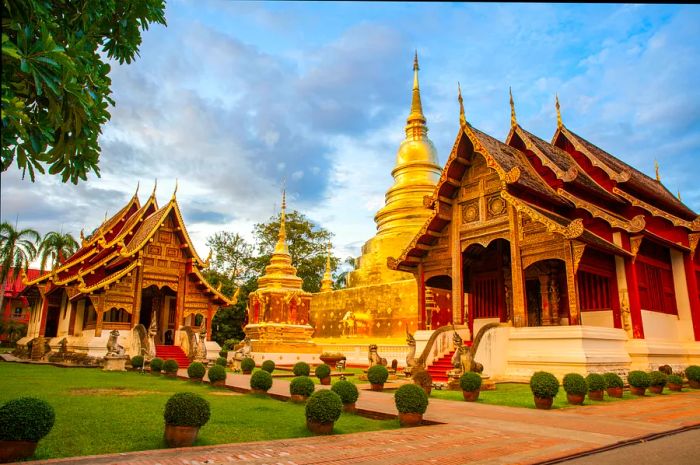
113 346
244 350
374 358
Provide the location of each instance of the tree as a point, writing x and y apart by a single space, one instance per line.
17 250
56 246
307 245
55 83
341 279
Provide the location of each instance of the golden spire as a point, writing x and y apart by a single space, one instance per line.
207 262
415 123
82 235
559 123
656 168
327 281
175 191
138 184
155 186
462 118
281 246
679 196
513 120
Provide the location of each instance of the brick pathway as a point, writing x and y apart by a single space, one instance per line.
469 433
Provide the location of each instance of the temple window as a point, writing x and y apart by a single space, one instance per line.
594 291
486 296
655 277
115 315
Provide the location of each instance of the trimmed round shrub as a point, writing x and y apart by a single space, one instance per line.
157 364
638 379
216 373
346 390
322 371
268 365
137 361
666 369
470 381
170 366
595 382
657 378
221 361
247 364
26 419
301 369
262 380
302 386
324 406
186 409
196 370
423 379
675 379
544 385
613 380
574 384
693 373
223 353
378 374
411 398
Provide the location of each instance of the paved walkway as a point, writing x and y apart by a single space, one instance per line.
469 433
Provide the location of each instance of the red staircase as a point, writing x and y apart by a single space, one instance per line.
440 366
173 352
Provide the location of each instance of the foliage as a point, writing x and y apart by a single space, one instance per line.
346 390
322 371
223 353
544 385
324 406
262 380
574 383
26 419
56 246
170 366
595 382
613 380
228 323
638 379
137 361
156 364
221 361
268 365
693 373
196 370
17 247
675 379
470 381
411 398
301 369
657 378
377 374
302 386
55 83
13 329
230 344
187 409
247 364
423 379
216 373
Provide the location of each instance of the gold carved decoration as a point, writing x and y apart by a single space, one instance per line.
693 239
622 176
692 225
633 226
470 212
496 206
573 230
512 175
635 243
578 248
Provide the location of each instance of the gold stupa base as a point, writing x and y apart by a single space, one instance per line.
281 338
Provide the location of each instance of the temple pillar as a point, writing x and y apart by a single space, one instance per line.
44 313
73 309
456 261
571 266
693 293
138 283
634 303
180 303
421 296
681 289
99 303
544 294
516 263
210 313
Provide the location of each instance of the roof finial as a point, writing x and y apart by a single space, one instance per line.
462 118
138 184
155 186
656 168
559 123
679 196
513 120
175 191
415 126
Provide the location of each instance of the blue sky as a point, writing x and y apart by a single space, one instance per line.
231 98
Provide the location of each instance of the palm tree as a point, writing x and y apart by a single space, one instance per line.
17 249
56 246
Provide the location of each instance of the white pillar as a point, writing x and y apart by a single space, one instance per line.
680 286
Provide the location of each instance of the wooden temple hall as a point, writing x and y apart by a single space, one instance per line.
137 273
544 236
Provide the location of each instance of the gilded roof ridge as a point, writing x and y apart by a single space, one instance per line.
109 279
217 292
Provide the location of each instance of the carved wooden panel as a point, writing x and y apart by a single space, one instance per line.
155 249
162 263
470 211
148 261
172 252
495 206
165 237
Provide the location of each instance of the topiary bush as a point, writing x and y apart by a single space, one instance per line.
261 380
675 379
693 373
470 381
268 365
612 380
156 365
322 371
301 369
170 366
186 409
221 361
302 386
657 378
544 385
137 361
26 419
378 374
595 382
223 353
196 370
324 406
423 379
638 379
216 373
247 364
411 398
574 384
346 390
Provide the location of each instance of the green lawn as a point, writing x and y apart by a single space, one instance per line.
519 395
100 412
355 379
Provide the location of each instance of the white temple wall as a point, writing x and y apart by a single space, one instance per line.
63 316
603 318
680 284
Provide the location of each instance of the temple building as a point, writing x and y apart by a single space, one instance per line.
579 261
137 273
